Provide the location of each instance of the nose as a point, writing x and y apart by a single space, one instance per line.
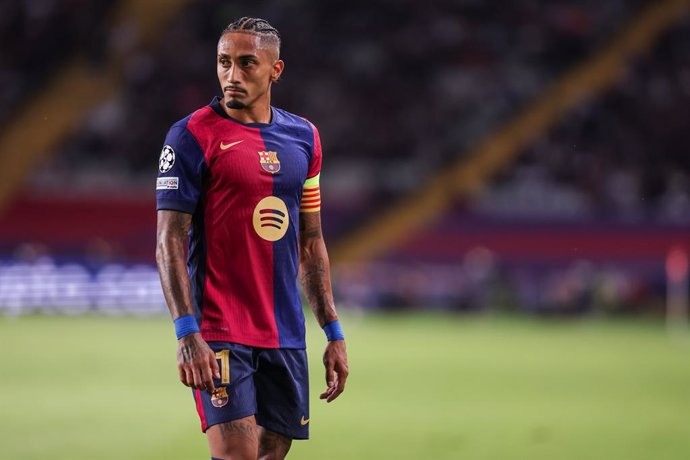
231 74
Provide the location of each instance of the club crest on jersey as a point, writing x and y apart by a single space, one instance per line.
269 162
220 397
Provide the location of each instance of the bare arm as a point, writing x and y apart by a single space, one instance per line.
316 282
196 362
172 231
315 268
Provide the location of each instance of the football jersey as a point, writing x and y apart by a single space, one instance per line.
245 185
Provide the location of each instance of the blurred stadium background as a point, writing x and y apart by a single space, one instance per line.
521 159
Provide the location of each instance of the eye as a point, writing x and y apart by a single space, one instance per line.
246 62
223 61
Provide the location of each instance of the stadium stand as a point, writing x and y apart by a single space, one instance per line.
452 73
399 94
618 157
39 38
424 117
585 217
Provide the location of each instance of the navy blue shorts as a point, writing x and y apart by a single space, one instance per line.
271 383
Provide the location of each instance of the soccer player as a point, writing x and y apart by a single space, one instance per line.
240 178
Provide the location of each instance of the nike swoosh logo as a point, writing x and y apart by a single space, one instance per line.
231 144
303 421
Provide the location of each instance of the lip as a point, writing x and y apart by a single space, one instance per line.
233 91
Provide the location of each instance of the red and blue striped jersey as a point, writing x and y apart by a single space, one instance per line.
245 185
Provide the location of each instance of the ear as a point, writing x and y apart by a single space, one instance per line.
277 70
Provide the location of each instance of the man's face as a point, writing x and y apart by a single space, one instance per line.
246 68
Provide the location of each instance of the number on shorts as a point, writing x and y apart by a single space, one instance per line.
224 356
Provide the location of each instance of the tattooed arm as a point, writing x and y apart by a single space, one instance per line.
316 282
196 362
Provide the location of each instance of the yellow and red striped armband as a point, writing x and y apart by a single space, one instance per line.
311 195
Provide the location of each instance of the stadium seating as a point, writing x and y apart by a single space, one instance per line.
597 203
38 38
398 95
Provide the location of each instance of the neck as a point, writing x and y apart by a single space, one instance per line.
259 112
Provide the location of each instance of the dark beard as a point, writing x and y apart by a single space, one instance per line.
235 104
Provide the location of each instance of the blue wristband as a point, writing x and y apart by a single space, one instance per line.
185 325
334 331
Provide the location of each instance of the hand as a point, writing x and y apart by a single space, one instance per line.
197 363
335 361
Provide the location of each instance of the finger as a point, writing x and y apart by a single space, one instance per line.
342 376
183 375
329 390
333 395
330 380
333 391
197 379
214 365
207 378
339 388
330 375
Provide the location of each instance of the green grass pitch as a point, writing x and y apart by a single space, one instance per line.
421 387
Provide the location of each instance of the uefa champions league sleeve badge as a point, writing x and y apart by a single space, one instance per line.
167 159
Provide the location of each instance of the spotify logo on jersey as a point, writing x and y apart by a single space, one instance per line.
271 219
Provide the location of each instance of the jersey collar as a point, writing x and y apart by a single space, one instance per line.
216 107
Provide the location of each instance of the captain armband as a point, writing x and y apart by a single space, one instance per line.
311 195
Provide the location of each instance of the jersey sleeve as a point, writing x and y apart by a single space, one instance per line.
311 193
180 172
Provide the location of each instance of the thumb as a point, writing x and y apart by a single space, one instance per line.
330 375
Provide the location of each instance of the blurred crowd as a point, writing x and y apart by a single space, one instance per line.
620 156
619 159
39 37
41 285
399 90
481 282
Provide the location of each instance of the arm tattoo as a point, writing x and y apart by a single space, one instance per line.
316 284
315 270
170 258
308 234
